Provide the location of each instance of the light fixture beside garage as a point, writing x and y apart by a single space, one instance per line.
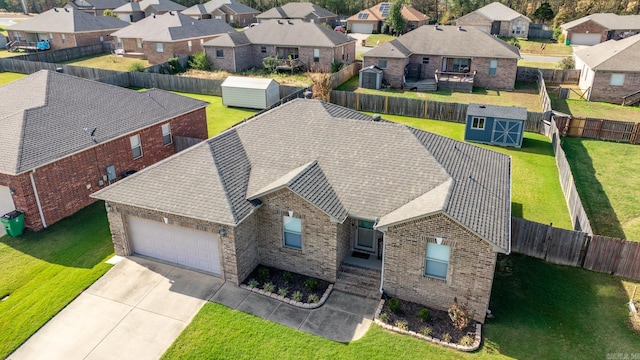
12 191
222 232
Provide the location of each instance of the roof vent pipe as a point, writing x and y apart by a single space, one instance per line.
290 22
436 27
376 117
279 22
459 28
55 9
308 94
66 9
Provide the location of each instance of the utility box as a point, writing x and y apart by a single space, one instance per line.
13 223
247 92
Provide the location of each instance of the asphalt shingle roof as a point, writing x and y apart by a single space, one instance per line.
374 14
211 6
67 20
295 10
98 4
165 5
43 116
172 26
447 41
608 21
503 112
613 55
499 12
372 169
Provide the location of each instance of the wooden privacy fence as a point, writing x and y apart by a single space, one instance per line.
30 67
62 55
602 129
552 76
614 256
345 74
545 101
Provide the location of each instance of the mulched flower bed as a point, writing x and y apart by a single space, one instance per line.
439 321
296 282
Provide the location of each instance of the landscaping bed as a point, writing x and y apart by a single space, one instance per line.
298 287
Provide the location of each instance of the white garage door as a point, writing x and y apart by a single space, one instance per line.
6 204
585 39
175 244
362 28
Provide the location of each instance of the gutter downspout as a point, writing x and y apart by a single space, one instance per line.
384 253
35 192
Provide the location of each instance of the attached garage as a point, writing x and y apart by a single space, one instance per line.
362 28
6 204
585 39
496 125
175 244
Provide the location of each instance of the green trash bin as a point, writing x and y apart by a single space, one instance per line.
567 42
13 223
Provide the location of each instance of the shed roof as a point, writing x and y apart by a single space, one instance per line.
613 55
248 82
497 111
372 68
67 20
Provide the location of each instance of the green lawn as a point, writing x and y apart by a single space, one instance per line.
106 62
42 272
544 47
539 64
7 77
541 311
592 109
606 176
536 193
4 53
378 39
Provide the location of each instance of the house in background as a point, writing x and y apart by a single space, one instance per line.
497 19
300 11
371 20
495 125
448 57
282 190
95 7
596 28
65 137
136 11
610 71
63 28
298 44
229 11
159 38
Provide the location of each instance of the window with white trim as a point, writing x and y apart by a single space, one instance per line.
17 36
139 43
136 146
166 134
425 60
64 38
617 80
477 123
263 49
159 47
316 55
493 67
190 45
437 260
292 232
219 53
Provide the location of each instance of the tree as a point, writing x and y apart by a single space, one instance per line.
395 19
109 12
544 13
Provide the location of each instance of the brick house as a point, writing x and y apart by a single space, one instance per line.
371 19
300 11
136 11
158 38
95 7
596 28
497 19
64 28
306 186
74 136
297 43
610 71
229 11
456 57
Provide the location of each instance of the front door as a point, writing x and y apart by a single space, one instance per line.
366 236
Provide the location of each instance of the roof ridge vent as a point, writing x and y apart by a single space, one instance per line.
55 9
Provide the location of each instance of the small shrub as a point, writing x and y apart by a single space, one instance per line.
174 66
199 61
402 324
313 298
424 314
568 63
384 317
270 64
263 274
253 283
515 42
283 291
446 337
557 32
336 66
137 66
286 276
269 287
561 38
466 340
426 331
311 284
394 305
297 296
460 315
373 32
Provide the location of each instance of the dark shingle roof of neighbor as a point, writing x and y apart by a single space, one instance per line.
164 5
211 6
172 26
98 4
43 116
295 10
339 160
287 33
67 20
613 55
503 112
449 41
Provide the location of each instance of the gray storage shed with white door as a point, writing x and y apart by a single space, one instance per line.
247 92
370 77
496 125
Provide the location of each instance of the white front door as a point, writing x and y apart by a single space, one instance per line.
6 204
365 236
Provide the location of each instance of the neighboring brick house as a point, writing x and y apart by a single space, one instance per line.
596 28
497 19
610 71
310 45
303 186
158 38
301 11
136 11
64 28
95 7
372 19
229 11
65 137
450 54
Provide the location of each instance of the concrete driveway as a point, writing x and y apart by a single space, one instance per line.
135 311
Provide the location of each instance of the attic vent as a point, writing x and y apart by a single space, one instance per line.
154 15
171 13
279 22
482 107
290 22
55 9
66 9
436 27
459 28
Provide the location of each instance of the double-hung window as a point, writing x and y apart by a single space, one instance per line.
292 232
136 146
166 134
437 261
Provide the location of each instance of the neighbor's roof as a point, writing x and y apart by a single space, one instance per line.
43 116
446 41
247 82
503 112
67 20
97 4
613 55
285 33
499 12
340 161
374 13
172 26
295 10
608 21
211 6
164 5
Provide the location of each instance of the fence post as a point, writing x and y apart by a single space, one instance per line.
584 250
547 240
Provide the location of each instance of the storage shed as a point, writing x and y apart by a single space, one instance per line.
370 77
247 92
497 125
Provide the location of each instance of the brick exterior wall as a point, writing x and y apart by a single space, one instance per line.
245 258
504 79
602 90
65 185
587 26
130 45
394 71
470 270
474 19
71 39
226 61
345 53
171 49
